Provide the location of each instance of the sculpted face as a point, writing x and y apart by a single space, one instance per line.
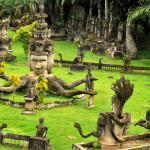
4 32
39 64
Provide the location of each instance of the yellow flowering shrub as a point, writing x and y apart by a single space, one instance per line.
2 67
14 79
41 87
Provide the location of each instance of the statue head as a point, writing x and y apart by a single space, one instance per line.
41 120
40 56
39 64
123 91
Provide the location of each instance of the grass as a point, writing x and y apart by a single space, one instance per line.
60 120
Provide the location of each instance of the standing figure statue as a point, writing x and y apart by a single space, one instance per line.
5 42
111 126
81 52
89 84
41 129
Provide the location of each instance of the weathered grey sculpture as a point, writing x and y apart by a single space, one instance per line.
5 42
145 122
40 41
40 61
40 141
41 129
112 125
126 66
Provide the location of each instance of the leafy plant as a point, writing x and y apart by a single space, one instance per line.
41 87
23 34
97 144
2 67
14 79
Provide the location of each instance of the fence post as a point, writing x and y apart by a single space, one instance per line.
100 63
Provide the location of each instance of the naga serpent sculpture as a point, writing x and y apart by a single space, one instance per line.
112 125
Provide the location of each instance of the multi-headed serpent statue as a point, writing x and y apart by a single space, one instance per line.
112 125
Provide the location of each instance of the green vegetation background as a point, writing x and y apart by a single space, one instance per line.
60 120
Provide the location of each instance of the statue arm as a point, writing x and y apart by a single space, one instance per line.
12 88
100 127
4 76
8 90
77 125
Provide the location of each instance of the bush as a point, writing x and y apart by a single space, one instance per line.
23 34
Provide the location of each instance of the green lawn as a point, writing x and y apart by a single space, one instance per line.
60 120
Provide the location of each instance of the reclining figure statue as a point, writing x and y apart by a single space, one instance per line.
39 65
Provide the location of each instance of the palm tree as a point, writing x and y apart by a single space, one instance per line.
142 10
13 8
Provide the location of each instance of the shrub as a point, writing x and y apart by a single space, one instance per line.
23 34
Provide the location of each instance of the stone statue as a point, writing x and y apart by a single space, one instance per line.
145 122
5 41
39 65
126 66
89 84
112 125
41 129
40 61
81 52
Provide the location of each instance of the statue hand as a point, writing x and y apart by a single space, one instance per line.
77 125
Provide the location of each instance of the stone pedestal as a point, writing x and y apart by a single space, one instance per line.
90 100
38 143
29 106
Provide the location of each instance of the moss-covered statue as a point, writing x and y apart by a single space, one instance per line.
40 61
112 125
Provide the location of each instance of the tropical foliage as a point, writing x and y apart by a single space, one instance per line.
141 11
23 34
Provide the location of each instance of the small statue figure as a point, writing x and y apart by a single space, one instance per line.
89 84
126 66
145 122
112 125
81 52
41 129
31 91
100 63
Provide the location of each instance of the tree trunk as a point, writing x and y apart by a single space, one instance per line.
120 31
131 49
106 19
